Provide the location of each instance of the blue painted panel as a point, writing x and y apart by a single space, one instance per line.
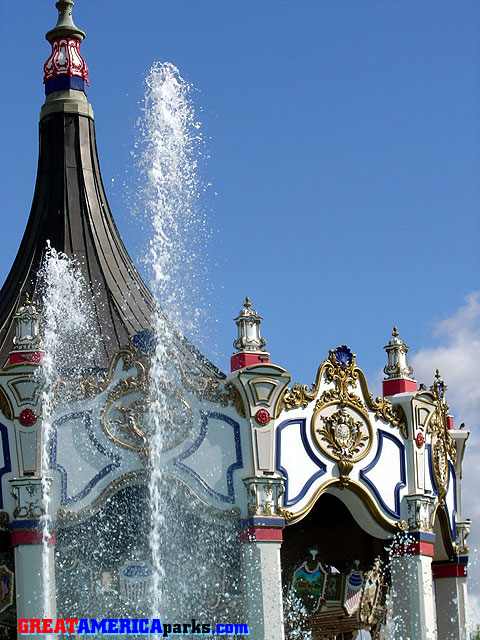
428 448
303 434
237 464
452 484
403 477
86 417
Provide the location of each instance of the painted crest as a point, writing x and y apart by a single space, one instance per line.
353 591
135 580
6 588
309 585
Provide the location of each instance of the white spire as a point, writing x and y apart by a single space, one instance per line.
397 366
248 322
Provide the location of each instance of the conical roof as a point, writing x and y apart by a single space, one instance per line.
70 209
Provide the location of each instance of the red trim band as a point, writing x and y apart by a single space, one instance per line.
414 548
245 359
399 385
22 357
261 534
31 537
450 570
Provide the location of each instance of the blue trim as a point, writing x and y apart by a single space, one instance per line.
23 524
451 516
65 82
238 464
403 478
261 521
87 422
7 467
422 535
430 469
303 434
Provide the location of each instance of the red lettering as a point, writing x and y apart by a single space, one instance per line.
47 625
34 625
23 625
60 626
71 623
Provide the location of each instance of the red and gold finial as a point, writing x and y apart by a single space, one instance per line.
65 68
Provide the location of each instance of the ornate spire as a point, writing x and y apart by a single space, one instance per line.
249 344
65 68
398 372
248 322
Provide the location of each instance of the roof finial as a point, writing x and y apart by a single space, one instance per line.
249 344
65 68
398 372
65 26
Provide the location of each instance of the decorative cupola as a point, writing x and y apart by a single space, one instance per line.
65 68
27 342
398 371
70 210
249 343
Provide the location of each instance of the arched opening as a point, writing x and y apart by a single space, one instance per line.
333 573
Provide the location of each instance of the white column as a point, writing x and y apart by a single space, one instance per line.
34 560
412 598
263 587
29 581
451 600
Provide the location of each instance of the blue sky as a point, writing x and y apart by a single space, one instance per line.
344 149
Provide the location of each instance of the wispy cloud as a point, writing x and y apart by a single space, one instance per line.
457 356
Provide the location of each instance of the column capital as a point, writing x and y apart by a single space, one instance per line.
263 497
420 513
463 531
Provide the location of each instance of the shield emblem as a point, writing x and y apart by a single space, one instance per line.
6 588
135 580
309 585
353 591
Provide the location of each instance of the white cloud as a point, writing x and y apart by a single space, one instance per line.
458 358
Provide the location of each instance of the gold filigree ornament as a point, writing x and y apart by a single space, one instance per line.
126 415
129 423
344 435
341 369
211 389
443 445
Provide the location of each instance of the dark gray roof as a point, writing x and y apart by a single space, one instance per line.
70 209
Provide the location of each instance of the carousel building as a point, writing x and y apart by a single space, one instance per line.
292 508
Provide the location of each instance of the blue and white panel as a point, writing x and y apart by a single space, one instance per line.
430 486
296 460
386 475
74 453
214 456
451 499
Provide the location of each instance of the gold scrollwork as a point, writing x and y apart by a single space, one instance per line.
213 390
299 396
341 436
343 374
443 445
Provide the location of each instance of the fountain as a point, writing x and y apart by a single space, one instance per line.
144 491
